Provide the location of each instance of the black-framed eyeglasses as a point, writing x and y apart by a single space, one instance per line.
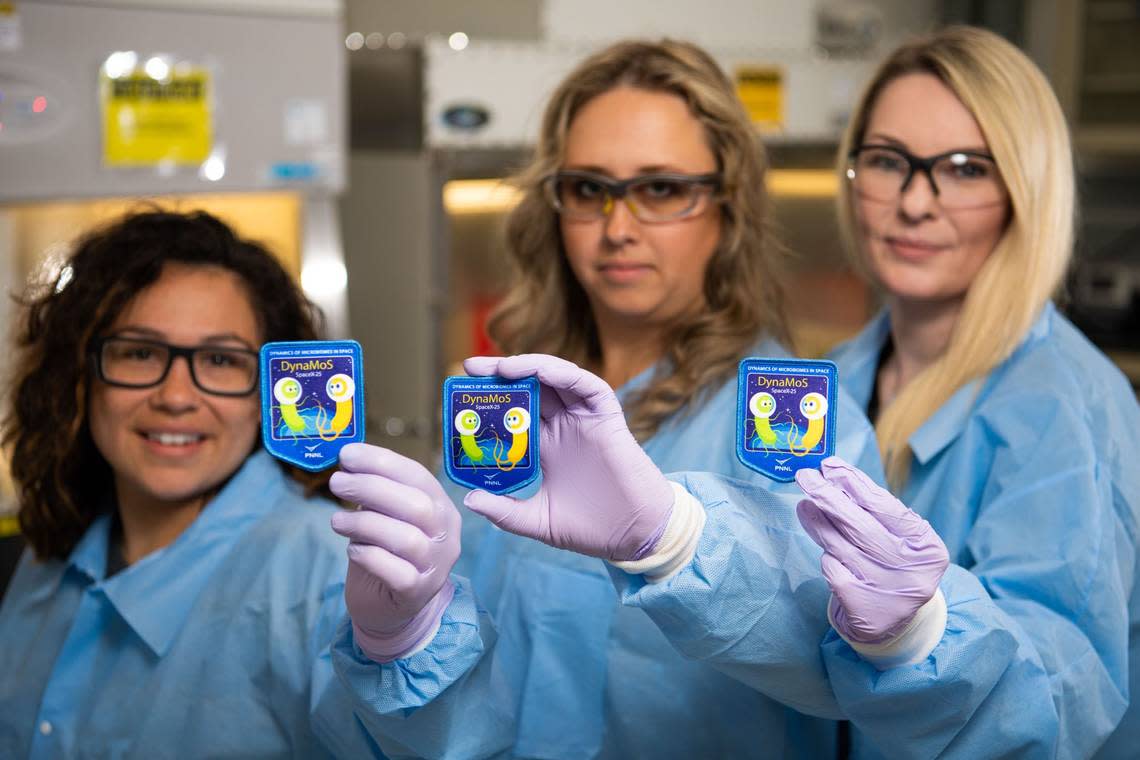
960 179
143 363
652 198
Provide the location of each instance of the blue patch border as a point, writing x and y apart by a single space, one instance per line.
290 452
764 462
463 476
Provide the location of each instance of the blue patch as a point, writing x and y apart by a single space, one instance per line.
312 400
785 414
490 432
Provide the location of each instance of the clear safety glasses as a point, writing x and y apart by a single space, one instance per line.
139 363
959 179
651 198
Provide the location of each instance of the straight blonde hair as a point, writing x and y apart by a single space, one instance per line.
1025 129
546 309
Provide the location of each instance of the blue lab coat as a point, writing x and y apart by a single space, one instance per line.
214 646
1029 475
536 657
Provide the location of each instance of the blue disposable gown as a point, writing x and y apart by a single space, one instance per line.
1030 477
535 656
215 646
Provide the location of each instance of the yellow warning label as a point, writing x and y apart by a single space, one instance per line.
761 90
149 121
9 526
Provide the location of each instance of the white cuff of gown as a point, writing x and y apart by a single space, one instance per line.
913 645
678 542
423 643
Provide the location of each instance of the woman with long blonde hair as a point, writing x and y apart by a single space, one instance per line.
998 422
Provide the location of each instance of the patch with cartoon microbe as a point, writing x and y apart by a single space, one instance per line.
490 432
785 414
312 400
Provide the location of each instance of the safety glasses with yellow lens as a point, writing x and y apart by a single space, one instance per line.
651 198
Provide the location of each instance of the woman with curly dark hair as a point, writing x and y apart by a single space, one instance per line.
180 585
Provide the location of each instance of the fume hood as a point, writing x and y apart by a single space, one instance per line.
235 107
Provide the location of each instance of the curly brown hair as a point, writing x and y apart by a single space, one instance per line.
744 280
62 481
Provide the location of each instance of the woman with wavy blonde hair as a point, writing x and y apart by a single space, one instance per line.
996 626
641 253
692 278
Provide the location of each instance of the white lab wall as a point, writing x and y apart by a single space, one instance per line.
750 25
825 50
512 82
721 24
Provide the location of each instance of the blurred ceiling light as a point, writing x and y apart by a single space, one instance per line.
321 278
458 41
803 183
479 196
214 168
396 40
120 63
156 68
374 41
354 41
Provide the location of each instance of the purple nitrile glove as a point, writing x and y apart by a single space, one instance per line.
403 543
882 561
601 494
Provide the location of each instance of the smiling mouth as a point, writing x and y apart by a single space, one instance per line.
174 439
623 268
917 244
622 265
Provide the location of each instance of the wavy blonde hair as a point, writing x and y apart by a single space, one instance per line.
1025 129
743 283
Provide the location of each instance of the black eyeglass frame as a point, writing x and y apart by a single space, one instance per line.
617 189
914 163
173 352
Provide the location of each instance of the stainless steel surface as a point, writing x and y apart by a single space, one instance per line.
279 98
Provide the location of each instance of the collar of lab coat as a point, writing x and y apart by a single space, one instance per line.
860 359
156 594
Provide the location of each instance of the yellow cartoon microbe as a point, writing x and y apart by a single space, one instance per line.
813 407
517 423
287 391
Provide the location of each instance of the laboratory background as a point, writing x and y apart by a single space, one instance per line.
367 143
